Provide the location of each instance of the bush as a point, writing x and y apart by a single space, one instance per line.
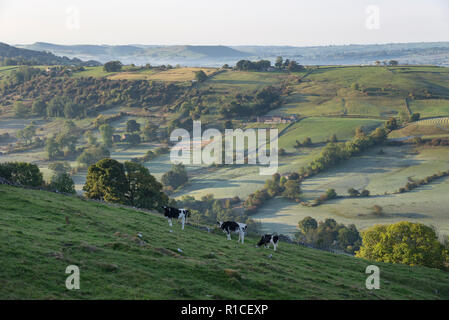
176 177
353 192
403 242
62 182
92 155
378 210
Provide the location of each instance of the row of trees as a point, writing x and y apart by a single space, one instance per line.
329 234
265 100
265 65
290 65
27 174
289 187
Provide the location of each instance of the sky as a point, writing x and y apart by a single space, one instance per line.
224 22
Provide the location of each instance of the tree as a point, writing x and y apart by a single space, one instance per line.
393 63
106 180
292 189
27 133
132 126
60 167
200 76
391 124
22 173
93 154
62 182
331 194
176 177
307 224
150 131
39 107
403 242
333 138
52 148
364 193
133 139
415 117
307 142
20 110
107 131
279 63
55 107
353 192
144 191
378 210
112 66
91 138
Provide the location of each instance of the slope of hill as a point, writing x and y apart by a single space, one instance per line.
42 233
39 57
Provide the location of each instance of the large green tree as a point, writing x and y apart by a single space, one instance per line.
403 242
144 191
106 180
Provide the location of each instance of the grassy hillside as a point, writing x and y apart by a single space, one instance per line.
37 244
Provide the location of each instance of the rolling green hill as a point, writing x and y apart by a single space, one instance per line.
42 233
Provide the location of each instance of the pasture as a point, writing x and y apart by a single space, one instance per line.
319 129
43 233
380 174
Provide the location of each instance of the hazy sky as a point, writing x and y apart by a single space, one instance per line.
226 22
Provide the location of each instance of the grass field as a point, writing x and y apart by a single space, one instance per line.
328 90
42 233
424 127
319 129
378 173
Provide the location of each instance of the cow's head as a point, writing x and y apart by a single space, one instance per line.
261 241
220 223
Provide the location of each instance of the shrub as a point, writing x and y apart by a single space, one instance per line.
403 242
62 182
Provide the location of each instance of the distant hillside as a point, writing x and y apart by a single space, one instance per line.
140 54
435 53
42 233
11 55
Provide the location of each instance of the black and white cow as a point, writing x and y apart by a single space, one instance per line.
231 226
174 213
267 239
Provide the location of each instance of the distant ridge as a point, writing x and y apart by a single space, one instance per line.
27 56
436 53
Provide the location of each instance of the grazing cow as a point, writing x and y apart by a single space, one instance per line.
267 239
174 213
231 226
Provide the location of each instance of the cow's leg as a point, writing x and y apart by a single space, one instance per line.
170 223
228 235
240 235
183 219
274 244
243 237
